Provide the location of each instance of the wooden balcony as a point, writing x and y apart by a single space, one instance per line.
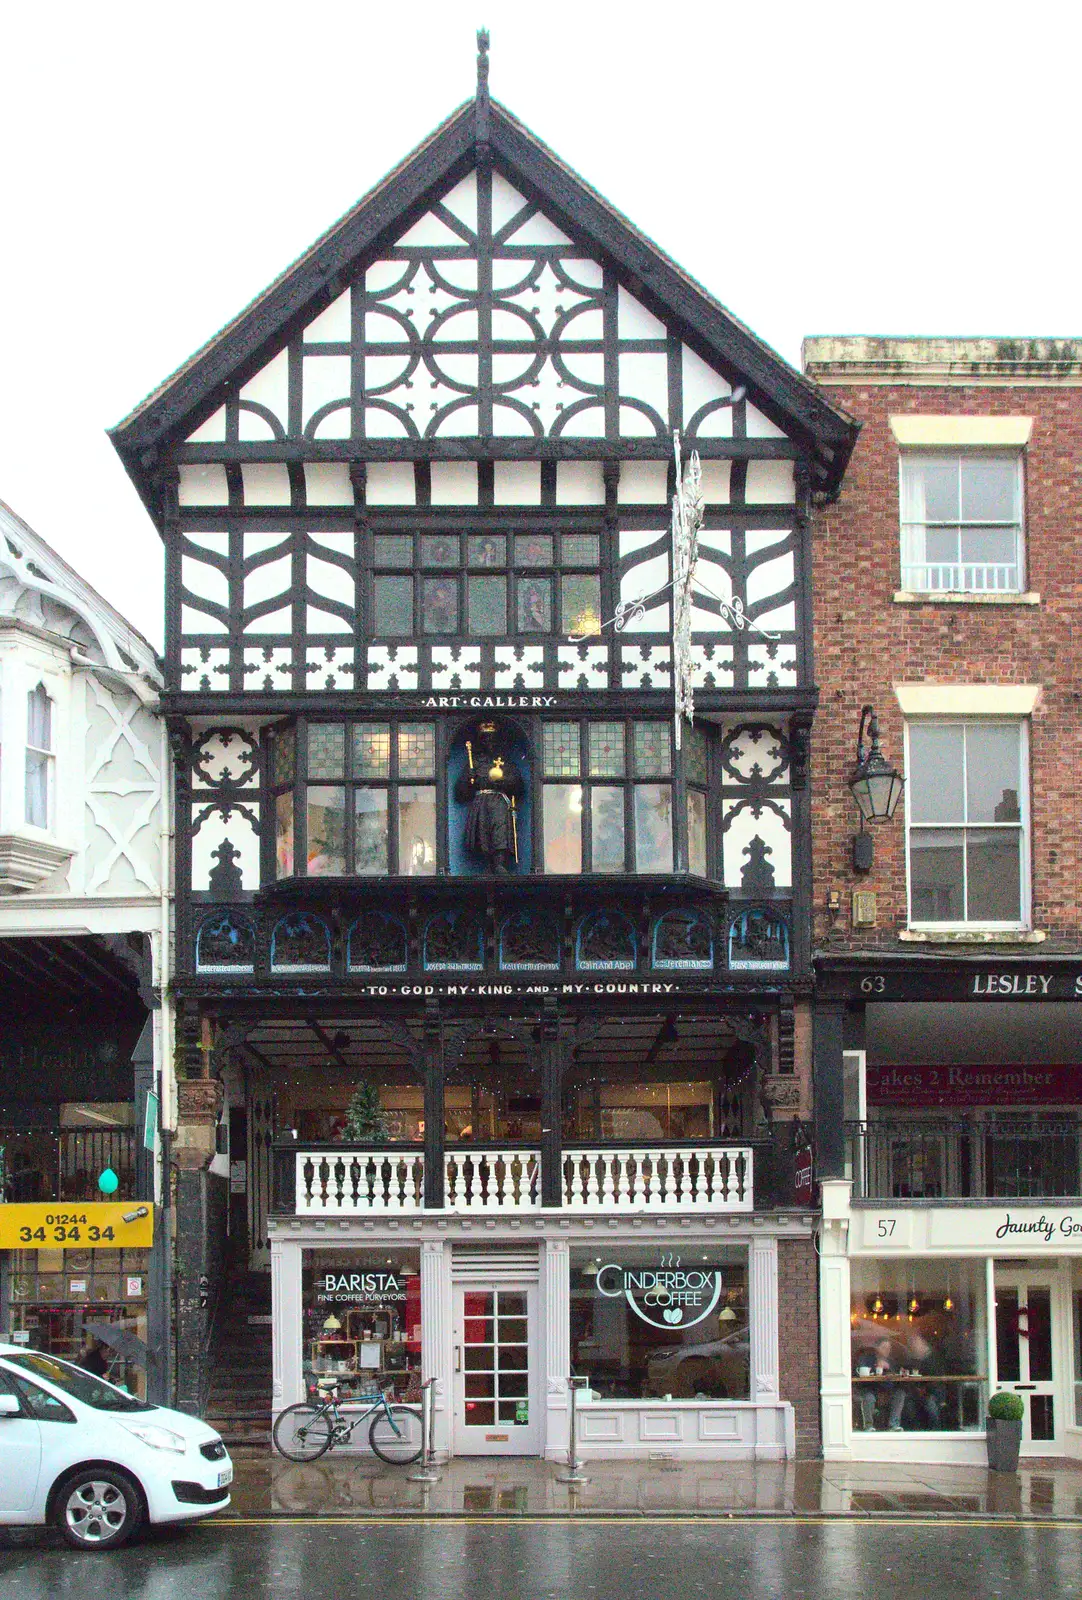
604 1180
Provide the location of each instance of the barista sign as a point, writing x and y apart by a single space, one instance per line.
666 1296
361 1288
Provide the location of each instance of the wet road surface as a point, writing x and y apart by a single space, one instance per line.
555 1559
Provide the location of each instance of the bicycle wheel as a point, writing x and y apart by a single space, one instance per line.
302 1432
395 1435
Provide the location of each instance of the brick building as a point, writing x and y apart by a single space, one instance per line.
948 943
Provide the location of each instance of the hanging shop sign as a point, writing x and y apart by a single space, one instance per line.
93 1225
1005 1084
665 1296
361 1288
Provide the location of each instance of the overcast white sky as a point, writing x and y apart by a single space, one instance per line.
856 167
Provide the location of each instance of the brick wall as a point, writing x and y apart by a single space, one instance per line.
798 1338
865 642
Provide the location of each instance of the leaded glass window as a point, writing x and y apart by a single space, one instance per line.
561 754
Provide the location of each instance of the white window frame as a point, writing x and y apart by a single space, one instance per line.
908 532
1025 874
48 826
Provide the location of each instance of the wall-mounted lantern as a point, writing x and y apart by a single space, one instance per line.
876 787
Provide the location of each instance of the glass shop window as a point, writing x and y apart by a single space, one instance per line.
485 585
361 1312
918 1346
637 1112
658 1322
57 1296
607 801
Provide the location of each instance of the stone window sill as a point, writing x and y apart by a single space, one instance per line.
909 597
25 861
972 936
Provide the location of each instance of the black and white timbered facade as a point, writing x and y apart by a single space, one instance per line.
437 834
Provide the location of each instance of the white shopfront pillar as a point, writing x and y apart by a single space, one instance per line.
286 1324
836 1383
557 1353
436 1338
763 1318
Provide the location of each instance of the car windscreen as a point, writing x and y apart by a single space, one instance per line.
80 1385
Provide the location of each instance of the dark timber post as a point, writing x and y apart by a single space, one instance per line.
432 1058
551 1107
827 1038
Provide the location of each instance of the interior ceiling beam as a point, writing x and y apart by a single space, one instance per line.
329 1045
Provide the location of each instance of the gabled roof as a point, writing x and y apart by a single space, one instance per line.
32 568
196 389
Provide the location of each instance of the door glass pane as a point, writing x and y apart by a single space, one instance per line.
488 605
697 832
562 823
935 875
534 603
512 1304
607 828
994 875
935 774
992 781
653 827
1042 1421
439 599
580 604
417 831
370 832
393 606
480 1386
326 832
1008 1369
1039 1308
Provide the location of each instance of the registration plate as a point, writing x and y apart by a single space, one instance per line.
225 1476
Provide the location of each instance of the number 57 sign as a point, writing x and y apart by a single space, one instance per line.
95 1225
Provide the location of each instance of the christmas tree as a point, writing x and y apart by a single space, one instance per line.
365 1122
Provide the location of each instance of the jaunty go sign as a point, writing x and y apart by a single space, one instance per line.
93 1225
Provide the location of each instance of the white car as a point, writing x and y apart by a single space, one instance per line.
78 1452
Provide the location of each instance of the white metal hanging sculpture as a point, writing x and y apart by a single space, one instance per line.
687 518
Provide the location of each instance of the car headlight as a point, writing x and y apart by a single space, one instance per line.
157 1438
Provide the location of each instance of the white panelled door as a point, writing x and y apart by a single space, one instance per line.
496 1370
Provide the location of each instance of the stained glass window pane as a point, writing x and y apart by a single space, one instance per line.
326 750
653 750
371 750
440 550
416 750
392 550
560 756
440 601
607 827
653 827
285 747
695 756
392 606
326 832
417 831
534 601
607 750
370 832
697 832
486 550
580 600
562 822
488 605
283 813
533 550
579 550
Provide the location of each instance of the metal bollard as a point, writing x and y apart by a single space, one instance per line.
426 1472
574 1473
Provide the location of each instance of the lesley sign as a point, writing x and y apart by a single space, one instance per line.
663 1296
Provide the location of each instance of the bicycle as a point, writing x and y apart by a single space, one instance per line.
306 1431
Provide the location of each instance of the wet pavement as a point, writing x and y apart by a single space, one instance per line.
266 1485
567 1558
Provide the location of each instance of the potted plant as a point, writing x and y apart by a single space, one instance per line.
1004 1431
366 1121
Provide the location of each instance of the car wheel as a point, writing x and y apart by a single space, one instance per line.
98 1508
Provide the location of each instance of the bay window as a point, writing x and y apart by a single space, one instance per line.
39 756
607 796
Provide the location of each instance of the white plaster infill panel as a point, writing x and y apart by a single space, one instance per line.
967 699
1000 1228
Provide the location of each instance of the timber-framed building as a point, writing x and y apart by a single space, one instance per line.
505 984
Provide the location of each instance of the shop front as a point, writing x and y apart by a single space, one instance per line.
670 1328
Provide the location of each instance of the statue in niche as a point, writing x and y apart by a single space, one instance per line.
492 786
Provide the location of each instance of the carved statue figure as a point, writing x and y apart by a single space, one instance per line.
493 787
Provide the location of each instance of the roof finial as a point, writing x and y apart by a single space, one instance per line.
482 86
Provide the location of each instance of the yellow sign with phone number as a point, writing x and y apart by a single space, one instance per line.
75 1225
